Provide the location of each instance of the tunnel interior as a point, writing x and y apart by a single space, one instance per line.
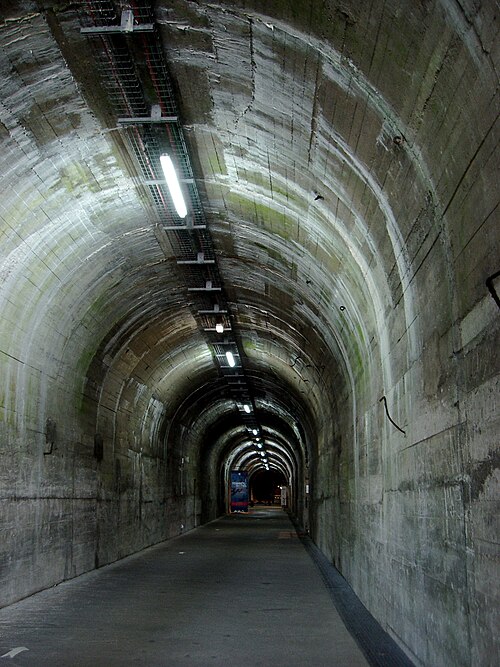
323 315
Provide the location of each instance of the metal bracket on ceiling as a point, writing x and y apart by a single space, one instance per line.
187 227
182 228
200 259
127 25
163 182
208 288
155 117
211 312
142 120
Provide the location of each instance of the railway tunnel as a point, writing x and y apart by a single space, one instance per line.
319 301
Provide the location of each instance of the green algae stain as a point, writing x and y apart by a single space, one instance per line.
276 223
249 346
76 177
272 254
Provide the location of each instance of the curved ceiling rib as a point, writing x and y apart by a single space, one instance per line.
308 282
135 77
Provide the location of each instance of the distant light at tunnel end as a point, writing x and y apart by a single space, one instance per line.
230 359
173 185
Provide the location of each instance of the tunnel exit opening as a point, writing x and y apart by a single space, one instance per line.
266 487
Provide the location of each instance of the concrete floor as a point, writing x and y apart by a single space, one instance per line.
240 590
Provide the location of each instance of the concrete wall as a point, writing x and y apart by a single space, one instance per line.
74 371
409 519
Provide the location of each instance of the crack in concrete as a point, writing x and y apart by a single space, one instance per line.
19 19
253 67
314 121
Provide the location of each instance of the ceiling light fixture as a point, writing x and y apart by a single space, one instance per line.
255 431
219 327
173 185
230 359
246 408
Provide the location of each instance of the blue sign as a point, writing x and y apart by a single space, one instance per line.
239 491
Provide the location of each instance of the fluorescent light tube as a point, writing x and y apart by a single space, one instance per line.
230 359
173 185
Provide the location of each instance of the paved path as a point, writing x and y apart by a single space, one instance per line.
240 591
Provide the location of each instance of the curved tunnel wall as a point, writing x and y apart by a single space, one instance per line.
347 153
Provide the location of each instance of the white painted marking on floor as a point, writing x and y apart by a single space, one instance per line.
14 651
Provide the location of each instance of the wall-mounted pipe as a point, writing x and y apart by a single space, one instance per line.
389 416
491 287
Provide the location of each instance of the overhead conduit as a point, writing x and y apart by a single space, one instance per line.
135 77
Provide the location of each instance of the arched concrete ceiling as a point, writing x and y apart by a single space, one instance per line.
304 121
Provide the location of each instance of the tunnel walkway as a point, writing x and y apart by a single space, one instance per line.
240 590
